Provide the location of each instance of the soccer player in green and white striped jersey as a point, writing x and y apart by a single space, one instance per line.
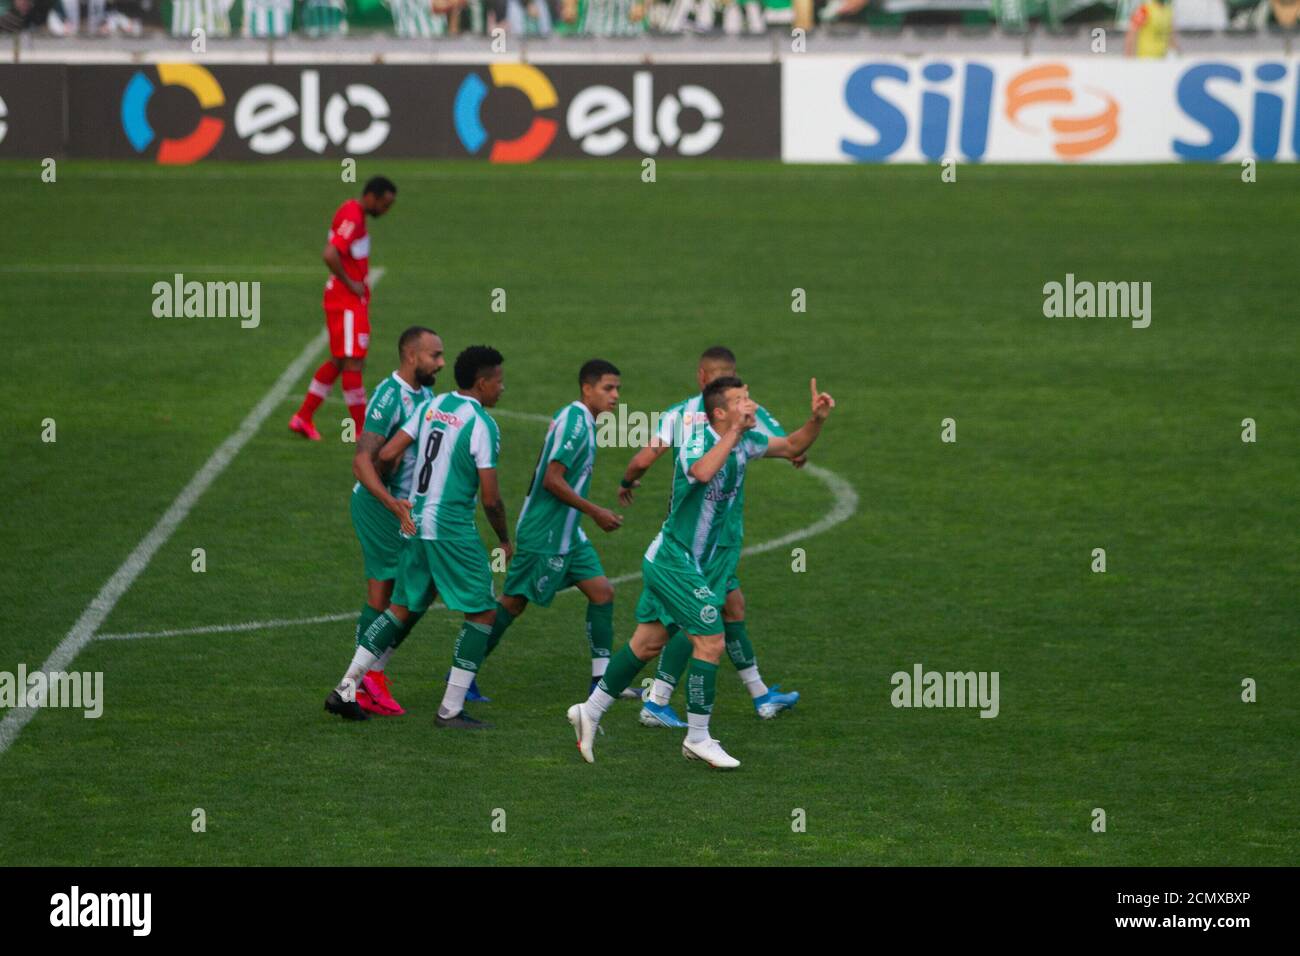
379 529
551 549
676 425
708 475
457 444
267 18
210 16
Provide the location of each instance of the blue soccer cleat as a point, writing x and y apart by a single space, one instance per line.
659 715
473 695
773 702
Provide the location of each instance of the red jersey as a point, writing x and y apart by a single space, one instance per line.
348 235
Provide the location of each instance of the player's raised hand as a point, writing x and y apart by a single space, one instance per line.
607 520
822 403
404 516
625 495
748 410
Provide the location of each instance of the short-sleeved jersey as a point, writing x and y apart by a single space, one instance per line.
697 513
734 533
348 235
454 437
685 418
547 524
390 405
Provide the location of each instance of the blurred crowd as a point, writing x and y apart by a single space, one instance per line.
612 18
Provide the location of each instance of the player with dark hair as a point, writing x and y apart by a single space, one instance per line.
378 528
676 426
708 476
347 306
456 448
552 551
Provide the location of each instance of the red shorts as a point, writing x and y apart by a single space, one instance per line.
349 330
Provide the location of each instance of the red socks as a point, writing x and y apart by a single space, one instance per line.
354 393
320 386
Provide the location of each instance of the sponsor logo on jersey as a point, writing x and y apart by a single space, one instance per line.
708 614
704 593
438 415
556 562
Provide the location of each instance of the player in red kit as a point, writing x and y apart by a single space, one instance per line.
347 305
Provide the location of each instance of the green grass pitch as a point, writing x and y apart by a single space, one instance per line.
1119 691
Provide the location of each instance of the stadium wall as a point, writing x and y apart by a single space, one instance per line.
821 109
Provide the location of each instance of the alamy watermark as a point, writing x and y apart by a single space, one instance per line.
179 299
1102 300
922 688
629 428
79 690
75 908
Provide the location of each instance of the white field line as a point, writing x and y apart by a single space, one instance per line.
844 504
83 632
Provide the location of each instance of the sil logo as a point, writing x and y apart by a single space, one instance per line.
135 112
468 113
1074 136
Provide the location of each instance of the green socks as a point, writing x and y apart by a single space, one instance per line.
672 661
701 684
622 670
504 620
365 619
471 646
739 649
600 629
382 633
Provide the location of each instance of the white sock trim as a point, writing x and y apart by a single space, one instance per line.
697 728
753 683
661 692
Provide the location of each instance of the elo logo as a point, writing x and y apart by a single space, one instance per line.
468 109
1075 136
135 112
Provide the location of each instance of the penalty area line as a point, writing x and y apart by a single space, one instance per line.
85 629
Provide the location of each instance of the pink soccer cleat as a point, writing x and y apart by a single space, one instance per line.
375 684
303 427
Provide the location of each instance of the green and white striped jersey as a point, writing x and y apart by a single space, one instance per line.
682 420
697 513
547 524
454 437
391 404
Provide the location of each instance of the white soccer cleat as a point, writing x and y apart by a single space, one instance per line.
585 730
711 752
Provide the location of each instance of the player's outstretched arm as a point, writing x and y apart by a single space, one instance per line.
494 508
375 457
797 443
553 481
637 467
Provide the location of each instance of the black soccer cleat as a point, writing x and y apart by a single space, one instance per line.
461 721
347 709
